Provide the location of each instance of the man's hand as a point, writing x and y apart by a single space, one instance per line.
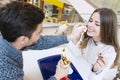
76 33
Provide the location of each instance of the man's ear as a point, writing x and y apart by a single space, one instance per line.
23 39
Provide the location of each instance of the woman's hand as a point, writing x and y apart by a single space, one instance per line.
61 71
100 64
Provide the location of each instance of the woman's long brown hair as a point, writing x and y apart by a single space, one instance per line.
108 30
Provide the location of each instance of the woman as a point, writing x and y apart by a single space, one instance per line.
100 44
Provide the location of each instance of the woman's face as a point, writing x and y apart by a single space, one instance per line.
94 26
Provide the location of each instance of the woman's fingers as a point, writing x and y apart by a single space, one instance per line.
100 63
102 60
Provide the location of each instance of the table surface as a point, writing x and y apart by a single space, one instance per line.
31 67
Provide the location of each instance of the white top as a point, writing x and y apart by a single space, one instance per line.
91 52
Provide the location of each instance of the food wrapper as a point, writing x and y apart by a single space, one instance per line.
65 60
62 28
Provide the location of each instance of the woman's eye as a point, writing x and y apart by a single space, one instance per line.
90 20
97 24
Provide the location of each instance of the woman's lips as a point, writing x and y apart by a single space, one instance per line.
90 30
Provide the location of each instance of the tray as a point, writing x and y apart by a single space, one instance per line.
48 64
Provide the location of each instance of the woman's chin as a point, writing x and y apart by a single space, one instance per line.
89 34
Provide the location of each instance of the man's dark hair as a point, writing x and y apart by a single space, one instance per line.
19 19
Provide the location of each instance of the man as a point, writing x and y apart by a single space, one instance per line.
21 27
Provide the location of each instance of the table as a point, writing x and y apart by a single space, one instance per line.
31 68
